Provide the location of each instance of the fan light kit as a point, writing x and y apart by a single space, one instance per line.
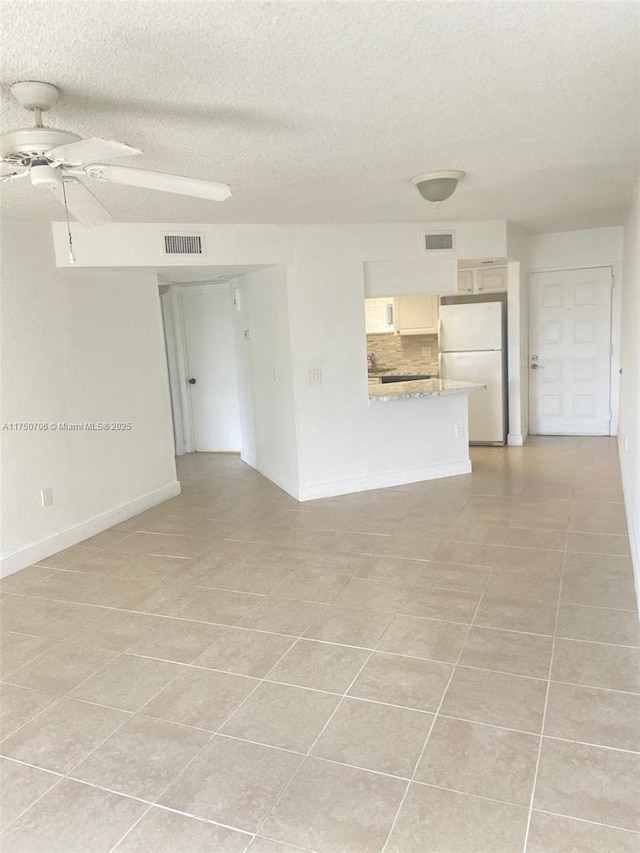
57 159
437 186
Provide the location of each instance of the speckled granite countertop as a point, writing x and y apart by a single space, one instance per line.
421 388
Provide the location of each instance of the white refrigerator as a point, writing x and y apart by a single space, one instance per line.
472 349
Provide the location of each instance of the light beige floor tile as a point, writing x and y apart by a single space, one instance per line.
65 559
408 682
127 683
245 652
551 514
54 619
20 581
232 782
142 568
18 705
598 543
435 821
599 563
481 533
106 538
201 698
329 808
87 589
507 651
71 819
596 665
365 594
283 716
424 638
599 588
570 782
163 599
375 737
266 845
311 586
483 760
116 629
18 649
319 666
516 614
62 735
161 544
598 517
554 834
349 626
496 698
468 553
162 831
394 570
598 624
61 668
448 604
592 715
534 584
142 757
403 546
21 787
524 537
282 616
177 640
527 559
220 606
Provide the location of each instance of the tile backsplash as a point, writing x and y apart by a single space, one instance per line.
403 353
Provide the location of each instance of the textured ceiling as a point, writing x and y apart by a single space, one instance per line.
322 111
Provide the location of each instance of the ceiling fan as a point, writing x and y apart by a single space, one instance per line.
57 159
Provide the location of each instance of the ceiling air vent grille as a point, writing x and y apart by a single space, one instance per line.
438 242
183 244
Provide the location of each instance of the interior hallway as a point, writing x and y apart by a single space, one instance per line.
449 666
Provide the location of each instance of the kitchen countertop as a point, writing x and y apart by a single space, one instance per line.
421 388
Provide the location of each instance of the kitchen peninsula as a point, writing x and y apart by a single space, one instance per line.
421 388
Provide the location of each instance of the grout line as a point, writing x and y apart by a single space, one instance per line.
544 710
435 716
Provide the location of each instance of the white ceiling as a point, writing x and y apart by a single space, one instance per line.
322 111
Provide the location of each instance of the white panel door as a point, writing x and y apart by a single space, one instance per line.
570 352
211 360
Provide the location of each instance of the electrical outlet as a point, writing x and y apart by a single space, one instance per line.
426 350
276 374
459 430
46 497
237 301
314 377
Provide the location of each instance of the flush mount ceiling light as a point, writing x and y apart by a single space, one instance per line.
437 186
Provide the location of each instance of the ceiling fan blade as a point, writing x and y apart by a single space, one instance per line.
159 181
8 171
91 150
81 202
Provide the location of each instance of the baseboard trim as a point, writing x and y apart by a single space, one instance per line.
515 439
286 485
383 480
34 553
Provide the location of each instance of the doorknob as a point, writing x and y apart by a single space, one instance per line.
536 367
192 381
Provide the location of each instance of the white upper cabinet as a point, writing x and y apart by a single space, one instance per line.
379 316
491 280
483 280
416 315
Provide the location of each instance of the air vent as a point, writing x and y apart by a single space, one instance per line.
439 242
183 244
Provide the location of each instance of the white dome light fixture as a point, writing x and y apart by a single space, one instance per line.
437 186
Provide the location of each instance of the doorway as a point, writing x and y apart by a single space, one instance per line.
202 368
570 352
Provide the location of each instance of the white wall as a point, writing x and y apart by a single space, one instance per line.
518 307
265 377
593 247
346 443
77 346
629 436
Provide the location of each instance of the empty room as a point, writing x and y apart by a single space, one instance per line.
320 426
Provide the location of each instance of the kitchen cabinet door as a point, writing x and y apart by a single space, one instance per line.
378 314
465 281
416 315
491 280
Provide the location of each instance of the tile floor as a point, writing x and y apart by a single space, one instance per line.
449 666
